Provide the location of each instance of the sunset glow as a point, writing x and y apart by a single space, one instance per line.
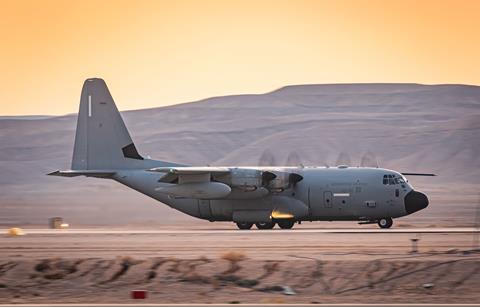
156 53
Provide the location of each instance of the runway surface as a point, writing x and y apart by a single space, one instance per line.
252 231
229 305
366 243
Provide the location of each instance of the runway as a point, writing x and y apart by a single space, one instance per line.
220 231
229 305
331 243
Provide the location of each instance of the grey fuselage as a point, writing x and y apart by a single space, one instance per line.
329 193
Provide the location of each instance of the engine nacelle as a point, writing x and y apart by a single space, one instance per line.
247 180
252 183
283 181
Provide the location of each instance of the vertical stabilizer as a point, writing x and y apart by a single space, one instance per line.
102 141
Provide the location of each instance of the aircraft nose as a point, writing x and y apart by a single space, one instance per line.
415 201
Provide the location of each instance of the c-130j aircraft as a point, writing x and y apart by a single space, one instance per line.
264 196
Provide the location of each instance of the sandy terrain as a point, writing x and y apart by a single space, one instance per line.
221 266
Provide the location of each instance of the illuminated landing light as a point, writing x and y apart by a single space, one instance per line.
281 215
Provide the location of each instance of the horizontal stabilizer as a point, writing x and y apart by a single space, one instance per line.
87 173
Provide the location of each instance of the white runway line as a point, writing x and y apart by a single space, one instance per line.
252 232
229 305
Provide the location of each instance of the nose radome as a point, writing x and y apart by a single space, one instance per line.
415 201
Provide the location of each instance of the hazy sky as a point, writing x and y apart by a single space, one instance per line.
154 53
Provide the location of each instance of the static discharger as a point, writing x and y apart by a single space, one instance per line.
281 215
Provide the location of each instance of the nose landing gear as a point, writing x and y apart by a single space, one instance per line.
385 222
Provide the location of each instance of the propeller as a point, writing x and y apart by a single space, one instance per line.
418 174
343 159
267 159
369 160
293 159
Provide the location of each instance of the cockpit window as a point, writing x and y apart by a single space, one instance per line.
390 179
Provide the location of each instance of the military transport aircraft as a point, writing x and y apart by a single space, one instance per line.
263 196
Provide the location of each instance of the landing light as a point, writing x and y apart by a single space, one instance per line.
281 215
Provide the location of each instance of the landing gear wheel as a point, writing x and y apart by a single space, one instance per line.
286 224
265 225
244 226
385 222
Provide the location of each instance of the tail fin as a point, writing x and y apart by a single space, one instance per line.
102 141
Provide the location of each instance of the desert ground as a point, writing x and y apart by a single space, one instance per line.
219 264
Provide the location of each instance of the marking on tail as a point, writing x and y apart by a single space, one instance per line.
89 105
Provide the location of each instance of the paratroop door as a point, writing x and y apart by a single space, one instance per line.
204 208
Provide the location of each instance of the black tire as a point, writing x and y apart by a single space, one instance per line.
385 222
244 226
286 224
265 225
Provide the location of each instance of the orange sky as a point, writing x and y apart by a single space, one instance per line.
154 53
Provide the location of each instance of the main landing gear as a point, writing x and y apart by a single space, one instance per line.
385 222
265 225
286 224
244 226
283 224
